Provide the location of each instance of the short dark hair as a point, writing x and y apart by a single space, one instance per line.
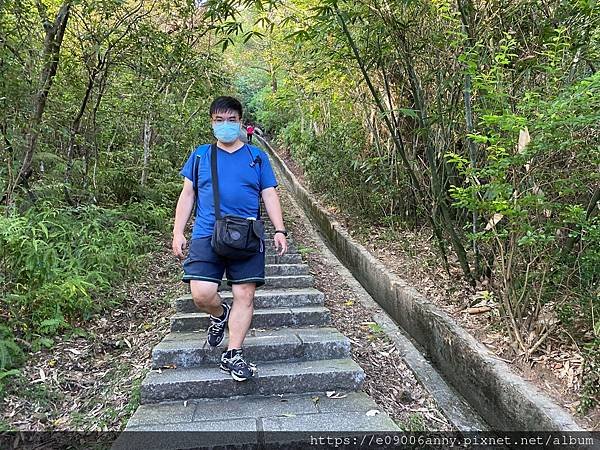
224 104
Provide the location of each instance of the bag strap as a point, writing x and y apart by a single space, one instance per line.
195 184
196 174
256 159
215 181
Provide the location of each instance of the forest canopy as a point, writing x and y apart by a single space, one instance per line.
476 122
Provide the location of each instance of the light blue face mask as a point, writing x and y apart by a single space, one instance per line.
226 132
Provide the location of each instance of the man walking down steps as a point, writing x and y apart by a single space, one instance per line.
244 175
308 389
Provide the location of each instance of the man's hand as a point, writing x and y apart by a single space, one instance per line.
179 244
280 241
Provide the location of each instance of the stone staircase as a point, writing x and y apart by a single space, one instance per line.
299 357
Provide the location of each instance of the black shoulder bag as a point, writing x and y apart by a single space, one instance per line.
233 237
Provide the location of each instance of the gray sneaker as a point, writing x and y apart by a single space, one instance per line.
216 329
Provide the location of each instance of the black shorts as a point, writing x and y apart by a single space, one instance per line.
204 264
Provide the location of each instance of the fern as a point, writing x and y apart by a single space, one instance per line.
51 325
11 354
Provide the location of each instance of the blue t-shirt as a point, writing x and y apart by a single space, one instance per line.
240 184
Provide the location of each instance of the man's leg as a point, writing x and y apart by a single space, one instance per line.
206 297
204 271
244 276
232 360
208 300
241 313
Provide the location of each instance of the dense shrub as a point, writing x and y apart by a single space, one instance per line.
60 263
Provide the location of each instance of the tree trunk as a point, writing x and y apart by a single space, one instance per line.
52 43
147 139
94 114
74 131
437 179
397 138
465 16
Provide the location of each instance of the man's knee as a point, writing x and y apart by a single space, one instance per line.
204 299
205 295
244 293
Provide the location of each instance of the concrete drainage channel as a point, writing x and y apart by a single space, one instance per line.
492 391
300 358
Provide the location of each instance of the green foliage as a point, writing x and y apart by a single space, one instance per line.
127 103
375 328
423 110
150 215
415 423
541 193
58 264
305 250
134 399
591 376
11 354
339 164
5 426
122 70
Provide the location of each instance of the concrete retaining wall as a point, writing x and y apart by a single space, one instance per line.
503 399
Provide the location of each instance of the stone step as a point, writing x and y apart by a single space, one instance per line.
254 422
262 318
276 270
264 298
270 247
292 249
272 378
240 413
288 258
285 281
184 350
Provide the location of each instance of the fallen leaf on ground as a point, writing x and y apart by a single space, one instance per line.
333 394
478 310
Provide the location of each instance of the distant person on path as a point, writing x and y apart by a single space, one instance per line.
249 133
244 175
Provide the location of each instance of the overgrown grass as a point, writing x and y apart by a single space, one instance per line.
5 426
414 423
58 264
590 390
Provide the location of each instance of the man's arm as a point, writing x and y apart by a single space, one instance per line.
182 215
273 207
